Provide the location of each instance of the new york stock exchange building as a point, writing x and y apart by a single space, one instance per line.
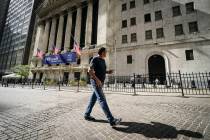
141 36
61 24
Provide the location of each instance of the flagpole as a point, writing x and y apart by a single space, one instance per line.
73 38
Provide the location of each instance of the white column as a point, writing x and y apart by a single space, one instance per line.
68 32
38 40
88 32
52 34
40 30
71 75
60 32
46 36
78 25
102 22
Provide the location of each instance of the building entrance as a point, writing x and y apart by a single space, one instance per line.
157 71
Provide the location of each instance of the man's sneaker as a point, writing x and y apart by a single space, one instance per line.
89 118
115 122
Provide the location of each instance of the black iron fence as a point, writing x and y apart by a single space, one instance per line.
183 83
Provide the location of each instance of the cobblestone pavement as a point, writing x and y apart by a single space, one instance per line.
49 114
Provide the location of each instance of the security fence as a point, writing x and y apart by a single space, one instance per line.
183 83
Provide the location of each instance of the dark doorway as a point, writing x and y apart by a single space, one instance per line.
64 31
74 17
40 77
77 75
34 77
95 22
83 24
65 77
157 71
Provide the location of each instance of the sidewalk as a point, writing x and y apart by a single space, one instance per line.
144 117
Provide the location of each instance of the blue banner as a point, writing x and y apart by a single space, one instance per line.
69 57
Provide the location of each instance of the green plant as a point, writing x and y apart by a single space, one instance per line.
75 83
82 83
50 82
83 79
22 70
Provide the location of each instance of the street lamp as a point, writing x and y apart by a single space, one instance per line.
115 59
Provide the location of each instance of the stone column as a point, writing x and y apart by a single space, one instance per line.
46 36
37 75
88 31
83 74
52 34
78 25
68 32
51 75
102 22
38 40
60 32
39 32
71 75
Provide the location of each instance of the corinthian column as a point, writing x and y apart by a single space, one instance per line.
38 39
102 33
46 36
88 31
52 34
68 32
78 25
60 32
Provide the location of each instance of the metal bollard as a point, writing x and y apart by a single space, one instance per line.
180 84
134 84
124 84
78 86
59 86
209 84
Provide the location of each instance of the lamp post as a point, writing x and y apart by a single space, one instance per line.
59 80
115 59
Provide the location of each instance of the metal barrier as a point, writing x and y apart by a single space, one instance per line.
184 83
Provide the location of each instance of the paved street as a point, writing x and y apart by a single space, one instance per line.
49 114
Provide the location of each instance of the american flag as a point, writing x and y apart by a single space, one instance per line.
39 53
55 50
77 48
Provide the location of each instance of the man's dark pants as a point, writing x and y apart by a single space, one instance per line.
98 95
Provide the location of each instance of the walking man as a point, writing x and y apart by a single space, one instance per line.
97 72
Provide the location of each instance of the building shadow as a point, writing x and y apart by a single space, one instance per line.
155 130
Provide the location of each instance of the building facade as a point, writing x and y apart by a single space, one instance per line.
61 23
163 36
142 36
15 44
3 13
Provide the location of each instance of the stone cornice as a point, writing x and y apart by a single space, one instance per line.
49 5
193 44
57 7
61 68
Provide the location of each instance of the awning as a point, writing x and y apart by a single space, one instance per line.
13 75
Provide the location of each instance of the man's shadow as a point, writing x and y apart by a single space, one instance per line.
153 130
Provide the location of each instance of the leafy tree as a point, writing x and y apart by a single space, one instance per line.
22 70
